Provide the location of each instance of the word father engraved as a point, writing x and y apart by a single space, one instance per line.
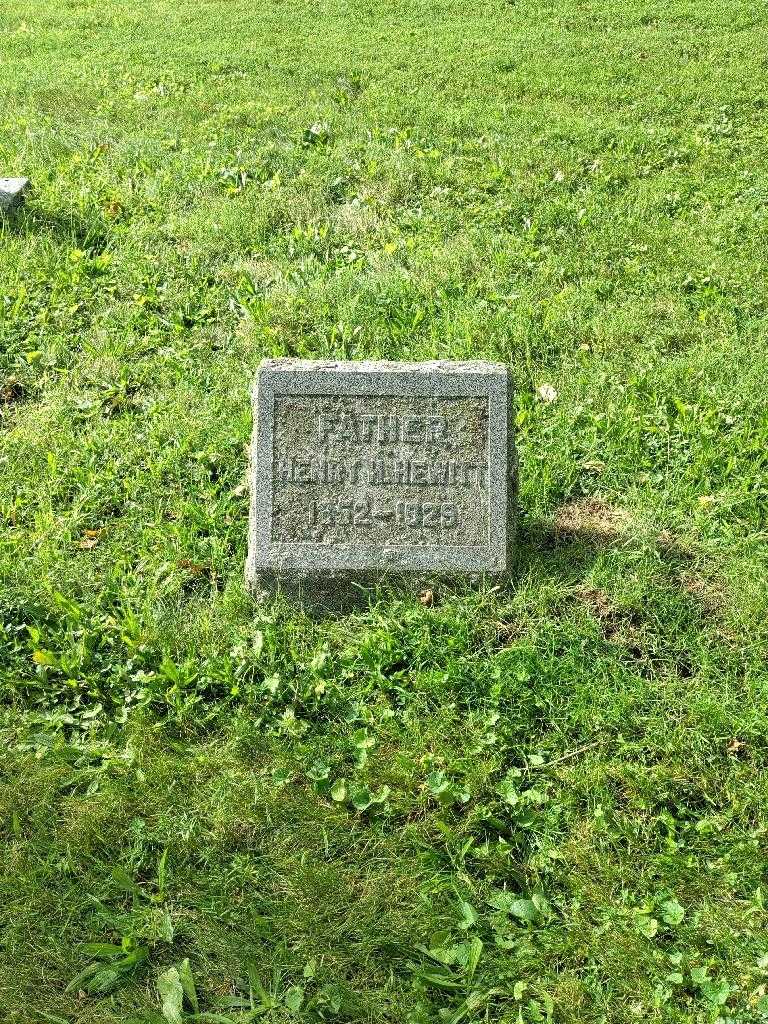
382 428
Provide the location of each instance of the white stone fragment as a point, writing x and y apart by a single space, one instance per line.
12 193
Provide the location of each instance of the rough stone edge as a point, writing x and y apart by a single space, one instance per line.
382 366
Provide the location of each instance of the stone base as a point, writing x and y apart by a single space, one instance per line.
343 593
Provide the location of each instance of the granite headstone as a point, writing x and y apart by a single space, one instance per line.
363 471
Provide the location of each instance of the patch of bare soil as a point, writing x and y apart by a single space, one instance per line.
710 595
598 603
590 518
674 547
621 626
507 631
709 592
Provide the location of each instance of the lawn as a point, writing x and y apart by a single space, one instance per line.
541 803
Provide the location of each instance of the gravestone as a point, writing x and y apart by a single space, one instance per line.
12 193
363 471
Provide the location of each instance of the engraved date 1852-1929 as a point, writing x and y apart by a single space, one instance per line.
428 515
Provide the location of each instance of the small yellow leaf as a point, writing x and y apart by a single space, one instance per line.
47 658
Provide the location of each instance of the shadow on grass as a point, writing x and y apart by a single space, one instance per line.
545 549
65 226
681 611
580 532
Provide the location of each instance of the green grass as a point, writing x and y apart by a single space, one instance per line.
546 803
